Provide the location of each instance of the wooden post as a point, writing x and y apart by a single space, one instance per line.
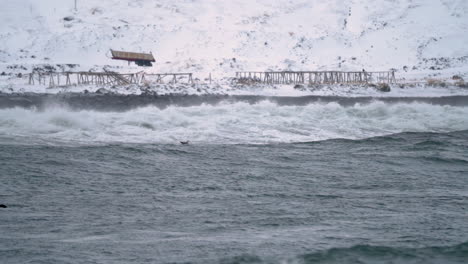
51 80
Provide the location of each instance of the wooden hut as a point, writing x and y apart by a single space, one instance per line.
140 59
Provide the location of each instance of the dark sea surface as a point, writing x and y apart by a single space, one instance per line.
376 181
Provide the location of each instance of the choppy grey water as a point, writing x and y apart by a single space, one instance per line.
401 197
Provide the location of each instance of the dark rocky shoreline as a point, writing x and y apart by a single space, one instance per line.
119 102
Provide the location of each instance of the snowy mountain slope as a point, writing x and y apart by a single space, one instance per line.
222 37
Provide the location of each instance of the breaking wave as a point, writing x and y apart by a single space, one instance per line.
230 122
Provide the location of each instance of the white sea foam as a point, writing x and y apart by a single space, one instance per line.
232 123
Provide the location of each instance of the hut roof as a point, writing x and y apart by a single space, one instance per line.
132 56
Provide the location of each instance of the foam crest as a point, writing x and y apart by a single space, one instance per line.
232 123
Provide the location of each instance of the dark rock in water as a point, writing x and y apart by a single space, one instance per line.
68 18
85 91
383 87
299 87
3 206
102 91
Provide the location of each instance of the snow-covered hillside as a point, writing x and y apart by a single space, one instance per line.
222 37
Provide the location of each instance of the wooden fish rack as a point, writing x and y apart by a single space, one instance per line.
56 79
316 77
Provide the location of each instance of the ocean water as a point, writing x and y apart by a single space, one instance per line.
104 179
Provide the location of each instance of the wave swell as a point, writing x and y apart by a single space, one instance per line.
379 254
370 254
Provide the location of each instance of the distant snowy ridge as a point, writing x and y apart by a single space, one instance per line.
418 38
227 36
